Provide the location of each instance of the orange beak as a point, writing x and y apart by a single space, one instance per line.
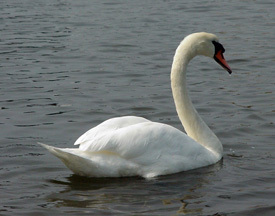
220 59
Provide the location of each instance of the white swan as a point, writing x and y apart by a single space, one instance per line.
134 146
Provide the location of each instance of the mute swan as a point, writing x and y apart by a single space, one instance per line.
135 146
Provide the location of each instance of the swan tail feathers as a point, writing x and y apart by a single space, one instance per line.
73 159
93 164
54 150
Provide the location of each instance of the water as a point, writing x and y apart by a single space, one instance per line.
68 65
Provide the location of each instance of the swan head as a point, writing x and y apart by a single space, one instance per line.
207 44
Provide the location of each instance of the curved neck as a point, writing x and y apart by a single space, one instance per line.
193 124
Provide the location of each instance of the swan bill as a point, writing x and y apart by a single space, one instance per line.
219 50
220 60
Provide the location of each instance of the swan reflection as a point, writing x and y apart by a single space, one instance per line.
183 192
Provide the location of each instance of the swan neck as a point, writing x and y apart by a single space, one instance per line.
193 124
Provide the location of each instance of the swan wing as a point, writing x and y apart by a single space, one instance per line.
154 148
133 146
106 127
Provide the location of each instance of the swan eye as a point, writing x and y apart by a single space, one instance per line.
218 47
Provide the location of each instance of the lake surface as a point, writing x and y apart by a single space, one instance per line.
68 65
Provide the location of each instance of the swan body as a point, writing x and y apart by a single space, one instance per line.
135 146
